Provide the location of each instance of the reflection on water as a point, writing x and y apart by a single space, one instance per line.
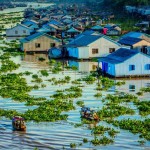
133 85
84 66
48 136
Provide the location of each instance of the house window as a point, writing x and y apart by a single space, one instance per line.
131 67
147 85
16 32
111 50
94 67
95 51
147 66
24 31
52 44
37 45
144 50
131 88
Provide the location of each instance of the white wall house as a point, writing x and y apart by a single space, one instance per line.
19 31
91 46
126 62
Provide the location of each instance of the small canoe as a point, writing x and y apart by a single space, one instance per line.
89 114
18 123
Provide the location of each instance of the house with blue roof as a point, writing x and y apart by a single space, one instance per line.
39 42
97 28
89 45
31 24
141 44
72 32
19 30
133 35
126 62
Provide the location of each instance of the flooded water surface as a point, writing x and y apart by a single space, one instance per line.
59 135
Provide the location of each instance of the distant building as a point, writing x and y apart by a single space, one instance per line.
19 30
126 62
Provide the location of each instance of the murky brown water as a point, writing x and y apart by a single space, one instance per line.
47 135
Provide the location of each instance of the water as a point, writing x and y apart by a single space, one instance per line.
56 135
33 4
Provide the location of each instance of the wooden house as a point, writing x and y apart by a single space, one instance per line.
126 62
39 42
86 46
19 30
141 45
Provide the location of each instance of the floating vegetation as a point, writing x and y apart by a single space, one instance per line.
73 145
135 126
102 141
27 73
80 103
98 95
146 89
144 107
44 73
85 140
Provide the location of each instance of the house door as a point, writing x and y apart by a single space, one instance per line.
104 67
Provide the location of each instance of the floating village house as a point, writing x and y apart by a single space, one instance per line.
89 45
19 30
126 62
39 42
137 41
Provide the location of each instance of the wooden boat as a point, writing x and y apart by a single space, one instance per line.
89 114
18 123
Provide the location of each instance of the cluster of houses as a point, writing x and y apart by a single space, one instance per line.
62 34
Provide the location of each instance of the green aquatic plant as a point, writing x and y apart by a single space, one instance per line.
73 145
27 73
140 127
44 72
143 107
98 95
102 141
80 103
100 130
85 140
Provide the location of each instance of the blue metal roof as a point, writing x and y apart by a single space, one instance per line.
97 27
133 34
129 41
84 40
34 36
119 56
43 30
73 30
54 22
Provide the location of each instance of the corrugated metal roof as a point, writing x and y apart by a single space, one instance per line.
97 27
84 40
119 56
129 41
133 34
34 36
73 30
43 30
